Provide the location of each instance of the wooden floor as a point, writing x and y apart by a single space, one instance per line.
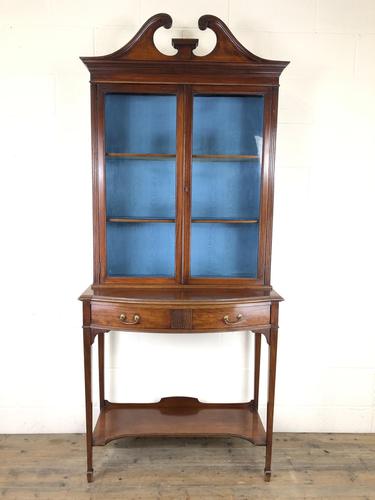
52 466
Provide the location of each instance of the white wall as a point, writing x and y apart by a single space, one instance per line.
324 215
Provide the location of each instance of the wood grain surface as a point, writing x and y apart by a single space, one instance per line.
229 69
52 466
178 417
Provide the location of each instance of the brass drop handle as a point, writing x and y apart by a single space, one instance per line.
227 321
136 319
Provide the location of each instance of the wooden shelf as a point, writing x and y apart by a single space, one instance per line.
156 156
225 221
225 157
129 219
178 417
141 156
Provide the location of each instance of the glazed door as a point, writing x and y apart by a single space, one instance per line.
226 183
183 184
140 185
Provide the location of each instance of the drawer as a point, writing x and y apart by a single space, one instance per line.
231 317
129 317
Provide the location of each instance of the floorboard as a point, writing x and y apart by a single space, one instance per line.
52 466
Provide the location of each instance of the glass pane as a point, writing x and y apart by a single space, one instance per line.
227 125
226 189
226 185
140 188
228 250
140 124
140 140
140 249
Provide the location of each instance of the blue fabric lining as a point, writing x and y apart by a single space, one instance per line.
228 125
224 250
139 123
140 249
226 189
222 125
140 188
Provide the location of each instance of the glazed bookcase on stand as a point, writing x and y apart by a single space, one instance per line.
183 162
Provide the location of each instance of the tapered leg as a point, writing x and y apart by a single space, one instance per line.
88 397
258 340
101 368
271 399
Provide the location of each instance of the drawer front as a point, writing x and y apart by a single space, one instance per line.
231 317
129 317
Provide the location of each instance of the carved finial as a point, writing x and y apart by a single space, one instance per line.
185 46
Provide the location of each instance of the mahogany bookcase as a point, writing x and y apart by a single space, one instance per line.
183 153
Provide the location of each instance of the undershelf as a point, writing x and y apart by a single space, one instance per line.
178 417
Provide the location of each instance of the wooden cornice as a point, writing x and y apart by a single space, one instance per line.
141 55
